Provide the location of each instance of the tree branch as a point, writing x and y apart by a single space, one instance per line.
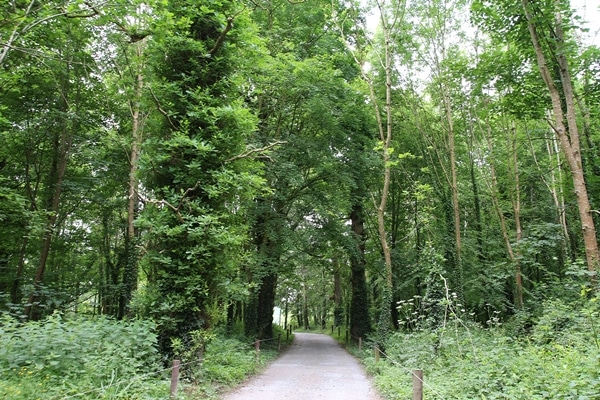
163 112
251 151
161 203
221 38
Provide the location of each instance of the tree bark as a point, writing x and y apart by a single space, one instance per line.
61 152
516 204
385 136
458 270
360 323
338 312
495 201
478 226
130 274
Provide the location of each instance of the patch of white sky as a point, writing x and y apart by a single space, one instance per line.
587 10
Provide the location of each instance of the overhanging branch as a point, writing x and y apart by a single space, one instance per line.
252 151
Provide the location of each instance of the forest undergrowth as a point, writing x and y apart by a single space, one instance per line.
80 357
553 353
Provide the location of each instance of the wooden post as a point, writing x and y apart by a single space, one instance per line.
376 352
257 347
332 329
417 376
339 331
347 336
279 342
174 378
359 344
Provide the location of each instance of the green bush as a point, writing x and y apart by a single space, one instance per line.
100 358
229 361
68 356
558 359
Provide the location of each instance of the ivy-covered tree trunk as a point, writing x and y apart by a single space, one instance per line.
198 192
516 206
267 232
266 305
360 322
477 221
130 273
338 311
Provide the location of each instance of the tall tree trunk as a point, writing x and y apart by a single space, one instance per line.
61 153
61 150
305 319
266 304
259 321
385 136
495 200
516 204
458 270
360 323
554 184
568 135
130 274
15 290
477 225
338 311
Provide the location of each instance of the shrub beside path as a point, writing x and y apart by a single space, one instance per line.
314 367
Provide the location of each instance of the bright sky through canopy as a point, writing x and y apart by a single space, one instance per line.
589 10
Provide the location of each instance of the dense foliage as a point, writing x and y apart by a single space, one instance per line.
68 357
98 358
549 356
194 166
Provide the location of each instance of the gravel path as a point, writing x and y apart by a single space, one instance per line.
314 367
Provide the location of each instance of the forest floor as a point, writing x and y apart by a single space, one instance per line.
314 367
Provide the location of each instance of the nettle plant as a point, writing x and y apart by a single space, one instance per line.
434 312
410 313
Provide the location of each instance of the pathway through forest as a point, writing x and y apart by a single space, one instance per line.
315 367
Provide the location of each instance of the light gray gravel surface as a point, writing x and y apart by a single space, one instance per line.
314 367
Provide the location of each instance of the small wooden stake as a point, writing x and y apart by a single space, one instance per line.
359 344
279 342
174 378
257 347
417 384
376 351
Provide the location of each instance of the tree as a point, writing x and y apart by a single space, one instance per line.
197 178
540 34
568 134
391 17
439 30
300 90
